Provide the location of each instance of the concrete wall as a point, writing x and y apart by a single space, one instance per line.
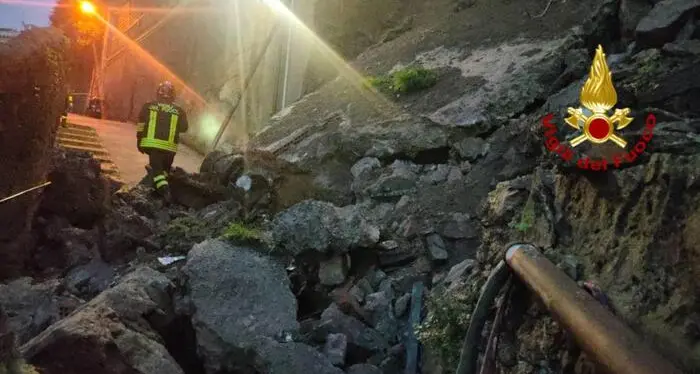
211 47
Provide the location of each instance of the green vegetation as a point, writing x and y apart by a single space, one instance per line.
237 231
182 233
25 369
407 80
527 217
448 318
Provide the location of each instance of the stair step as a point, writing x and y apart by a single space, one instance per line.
79 127
68 136
110 169
94 151
82 134
77 131
80 143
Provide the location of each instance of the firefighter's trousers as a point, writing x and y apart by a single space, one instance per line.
161 162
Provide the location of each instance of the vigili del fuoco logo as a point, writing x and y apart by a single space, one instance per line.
593 124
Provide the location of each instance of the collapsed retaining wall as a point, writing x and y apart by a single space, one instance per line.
32 97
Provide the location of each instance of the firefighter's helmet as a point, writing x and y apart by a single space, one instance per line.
166 91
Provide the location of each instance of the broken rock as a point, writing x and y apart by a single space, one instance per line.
332 272
472 148
364 369
664 21
335 348
31 307
436 247
240 302
359 335
458 226
110 334
322 227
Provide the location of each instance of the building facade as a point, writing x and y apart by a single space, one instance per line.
221 55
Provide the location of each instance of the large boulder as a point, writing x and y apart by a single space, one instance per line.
32 97
113 333
241 303
322 227
664 21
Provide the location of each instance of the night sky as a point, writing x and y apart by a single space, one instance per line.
35 12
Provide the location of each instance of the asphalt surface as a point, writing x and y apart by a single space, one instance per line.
119 139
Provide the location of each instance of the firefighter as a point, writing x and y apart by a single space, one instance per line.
160 123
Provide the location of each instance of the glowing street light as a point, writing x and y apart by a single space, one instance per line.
87 7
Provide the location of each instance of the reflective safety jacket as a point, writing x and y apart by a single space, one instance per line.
160 125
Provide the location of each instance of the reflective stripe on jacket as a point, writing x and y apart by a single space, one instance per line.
160 125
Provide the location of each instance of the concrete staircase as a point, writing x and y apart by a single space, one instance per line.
85 138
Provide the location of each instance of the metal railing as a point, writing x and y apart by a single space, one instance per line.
605 338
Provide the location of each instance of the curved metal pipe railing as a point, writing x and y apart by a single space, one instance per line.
605 338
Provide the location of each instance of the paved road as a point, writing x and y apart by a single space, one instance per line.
119 138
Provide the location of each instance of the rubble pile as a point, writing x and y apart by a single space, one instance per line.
303 255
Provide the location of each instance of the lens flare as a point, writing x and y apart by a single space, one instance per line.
347 72
188 92
87 7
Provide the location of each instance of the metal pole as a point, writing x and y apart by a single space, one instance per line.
100 76
598 332
287 60
18 194
246 83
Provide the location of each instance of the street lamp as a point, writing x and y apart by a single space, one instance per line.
87 7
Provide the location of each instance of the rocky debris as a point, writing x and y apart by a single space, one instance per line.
193 191
359 336
685 48
183 232
457 272
125 228
284 183
87 281
472 148
78 192
113 333
332 272
664 21
62 246
8 348
30 308
329 155
436 248
322 227
364 369
631 12
335 348
253 293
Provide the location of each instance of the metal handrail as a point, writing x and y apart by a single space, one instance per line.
605 339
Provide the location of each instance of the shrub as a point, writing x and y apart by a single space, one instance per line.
407 80
413 79
237 231
447 322
527 217
25 369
